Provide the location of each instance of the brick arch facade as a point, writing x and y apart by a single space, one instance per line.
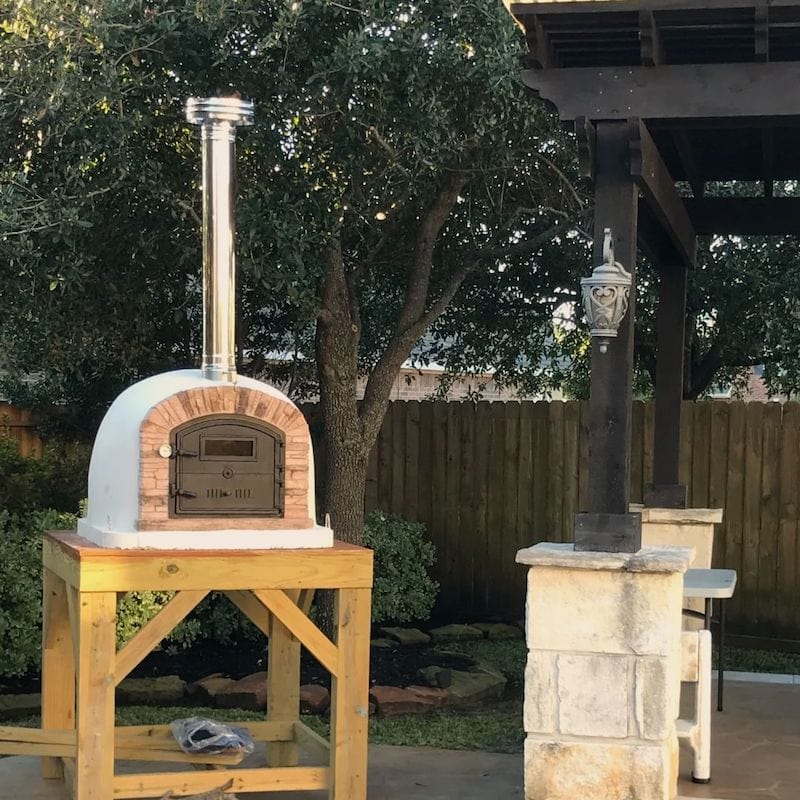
194 404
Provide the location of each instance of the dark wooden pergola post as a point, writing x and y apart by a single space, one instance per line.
607 524
666 491
700 107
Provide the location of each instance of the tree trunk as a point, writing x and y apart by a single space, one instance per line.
338 331
345 481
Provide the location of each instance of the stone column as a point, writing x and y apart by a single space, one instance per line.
602 683
687 527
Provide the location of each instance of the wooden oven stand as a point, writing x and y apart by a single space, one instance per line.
82 666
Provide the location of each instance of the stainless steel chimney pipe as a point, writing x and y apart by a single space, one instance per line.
218 118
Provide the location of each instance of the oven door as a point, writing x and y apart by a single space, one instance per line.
228 466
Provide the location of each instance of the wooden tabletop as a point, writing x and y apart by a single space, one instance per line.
89 567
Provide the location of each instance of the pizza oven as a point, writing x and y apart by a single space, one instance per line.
206 459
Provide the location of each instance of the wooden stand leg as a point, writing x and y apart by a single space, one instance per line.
94 769
350 696
58 665
283 688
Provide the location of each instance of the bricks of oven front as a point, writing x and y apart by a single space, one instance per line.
197 403
602 681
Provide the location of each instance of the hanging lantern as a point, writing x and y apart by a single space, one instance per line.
605 295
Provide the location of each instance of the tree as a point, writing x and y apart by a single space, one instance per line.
398 176
742 311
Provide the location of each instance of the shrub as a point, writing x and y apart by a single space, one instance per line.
21 587
403 590
136 609
56 480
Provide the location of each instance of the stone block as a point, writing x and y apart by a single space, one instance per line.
206 689
450 633
409 637
439 677
14 706
471 688
698 535
454 660
498 630
603 611
594 770
488 669
165 691
656 698
249 693
314 699
540 711
392 701
593 695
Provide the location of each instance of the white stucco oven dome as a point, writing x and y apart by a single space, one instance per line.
135 468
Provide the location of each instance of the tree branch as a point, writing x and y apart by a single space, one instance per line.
419 273
383 374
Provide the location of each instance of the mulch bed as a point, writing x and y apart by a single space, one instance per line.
389 666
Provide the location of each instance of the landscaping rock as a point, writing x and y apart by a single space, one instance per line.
439 677
165 691
472 688
314 699
14 706
488 669
451 633
499 630
392 701
206 689
436 697
408 637
383 644
454 660
249 693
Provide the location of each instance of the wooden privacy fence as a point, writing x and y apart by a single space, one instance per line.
490 478
20 425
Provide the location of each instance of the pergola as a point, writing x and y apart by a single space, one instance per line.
662 92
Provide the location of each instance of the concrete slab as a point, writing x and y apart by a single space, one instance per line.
395 773
755 747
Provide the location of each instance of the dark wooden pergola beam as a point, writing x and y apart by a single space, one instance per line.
745 216
683 145
586 135
650 39
768 151
540 48
658 188
761 32
680 91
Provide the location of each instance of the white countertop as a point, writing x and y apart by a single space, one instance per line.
714 583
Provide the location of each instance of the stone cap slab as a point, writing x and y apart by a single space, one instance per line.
683 516
648 559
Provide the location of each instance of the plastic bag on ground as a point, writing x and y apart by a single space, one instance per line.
209 737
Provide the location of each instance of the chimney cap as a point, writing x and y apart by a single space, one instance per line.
219 109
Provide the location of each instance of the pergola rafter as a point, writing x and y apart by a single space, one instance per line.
662 93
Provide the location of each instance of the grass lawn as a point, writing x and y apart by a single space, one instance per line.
494 728
741 660
497 729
